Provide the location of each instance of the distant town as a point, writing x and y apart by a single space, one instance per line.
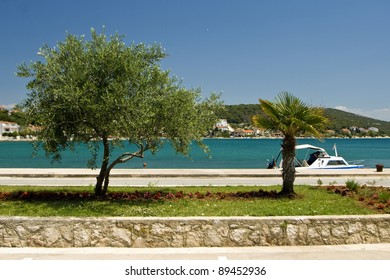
236 121
224 129
12 127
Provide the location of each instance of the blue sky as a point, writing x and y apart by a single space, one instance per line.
331 53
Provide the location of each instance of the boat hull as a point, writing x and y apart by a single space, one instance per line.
333 168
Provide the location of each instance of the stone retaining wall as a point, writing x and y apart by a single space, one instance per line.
193 231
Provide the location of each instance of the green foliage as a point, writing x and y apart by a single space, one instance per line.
352 185
384 197
291 116
90 91
4 115
239 114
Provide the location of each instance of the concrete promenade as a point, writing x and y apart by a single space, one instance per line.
188 177
325 252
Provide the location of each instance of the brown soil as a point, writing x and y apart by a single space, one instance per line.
377 198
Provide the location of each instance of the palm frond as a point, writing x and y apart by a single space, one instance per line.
291 116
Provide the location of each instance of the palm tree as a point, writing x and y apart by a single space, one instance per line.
289 115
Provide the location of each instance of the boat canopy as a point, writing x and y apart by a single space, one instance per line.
307 146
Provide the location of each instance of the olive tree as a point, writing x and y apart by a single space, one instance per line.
102 92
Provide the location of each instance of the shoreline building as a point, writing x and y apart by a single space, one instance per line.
8 127
223 125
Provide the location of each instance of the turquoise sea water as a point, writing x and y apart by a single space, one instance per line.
225 153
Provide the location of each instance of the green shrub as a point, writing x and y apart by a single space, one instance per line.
352 185
384 197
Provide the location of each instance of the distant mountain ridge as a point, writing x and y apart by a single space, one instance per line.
242 114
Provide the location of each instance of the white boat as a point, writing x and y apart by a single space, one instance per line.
317 158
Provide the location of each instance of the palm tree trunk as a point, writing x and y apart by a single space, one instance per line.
288 165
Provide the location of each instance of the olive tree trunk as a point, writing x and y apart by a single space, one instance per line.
103 180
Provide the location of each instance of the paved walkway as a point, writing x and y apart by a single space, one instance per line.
334 252
188 177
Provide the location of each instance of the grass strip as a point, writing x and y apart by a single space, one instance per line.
175 202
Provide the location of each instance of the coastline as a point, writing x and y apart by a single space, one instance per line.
2 139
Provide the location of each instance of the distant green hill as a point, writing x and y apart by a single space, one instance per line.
340 119
242 115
